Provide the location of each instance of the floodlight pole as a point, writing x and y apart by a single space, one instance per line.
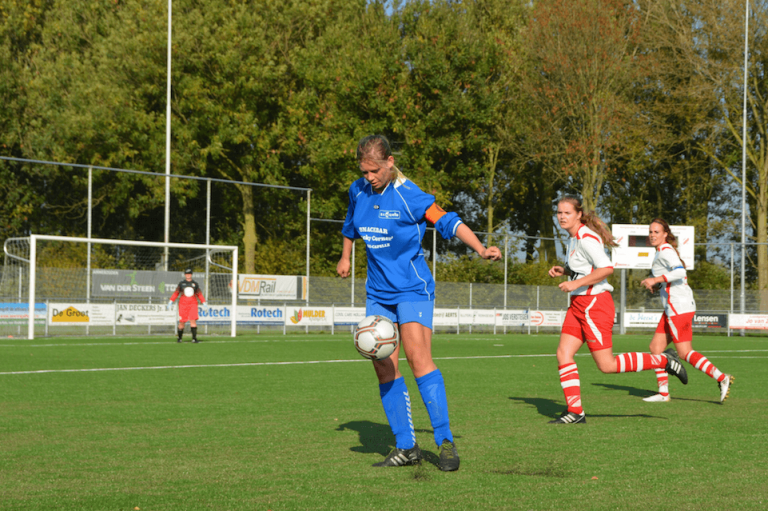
434 254
88 256
353 273
90 221
208 238
32 280
744 162
167 145
308 237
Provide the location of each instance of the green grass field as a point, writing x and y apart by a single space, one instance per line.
276 422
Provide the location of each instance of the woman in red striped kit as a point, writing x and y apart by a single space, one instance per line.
590 316
669 274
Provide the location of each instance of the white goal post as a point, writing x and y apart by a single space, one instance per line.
121 247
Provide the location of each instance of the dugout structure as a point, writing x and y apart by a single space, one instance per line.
76 286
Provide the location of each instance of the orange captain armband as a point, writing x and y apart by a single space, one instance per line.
434 213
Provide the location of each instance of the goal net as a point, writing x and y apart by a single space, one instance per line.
57 285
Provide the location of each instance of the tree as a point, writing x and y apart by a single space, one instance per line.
92 89
585 61
241 107
702 33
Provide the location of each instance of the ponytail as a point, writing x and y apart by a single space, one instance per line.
591 220
671 238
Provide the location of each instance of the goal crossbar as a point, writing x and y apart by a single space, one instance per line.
34 238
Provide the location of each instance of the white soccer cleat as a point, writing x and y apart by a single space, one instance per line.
657 398
725 387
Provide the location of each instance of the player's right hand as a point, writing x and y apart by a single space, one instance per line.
556 271
169 306
343 268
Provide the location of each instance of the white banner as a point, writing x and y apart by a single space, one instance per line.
547 318
348 315
267 287
477 317
127 314
91 314
642 319
246 314
445 317
511 317
308 316
748 321
260 314
12 313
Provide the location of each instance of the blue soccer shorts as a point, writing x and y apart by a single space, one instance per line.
401 313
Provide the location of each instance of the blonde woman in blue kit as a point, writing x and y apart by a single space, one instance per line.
389 212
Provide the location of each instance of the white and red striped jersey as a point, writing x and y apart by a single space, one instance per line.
586 252
676 295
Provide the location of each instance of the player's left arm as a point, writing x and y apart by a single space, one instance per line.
199 295
450 225
676 270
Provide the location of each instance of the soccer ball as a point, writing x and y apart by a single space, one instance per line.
376 337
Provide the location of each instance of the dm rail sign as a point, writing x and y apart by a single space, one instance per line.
270 287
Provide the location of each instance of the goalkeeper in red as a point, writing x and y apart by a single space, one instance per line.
188 292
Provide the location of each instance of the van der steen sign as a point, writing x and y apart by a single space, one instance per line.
134 283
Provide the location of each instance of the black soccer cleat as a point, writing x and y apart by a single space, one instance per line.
675 367
401 457
449 458
195 341
570 418
178 339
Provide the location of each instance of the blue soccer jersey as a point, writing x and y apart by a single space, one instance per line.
393 224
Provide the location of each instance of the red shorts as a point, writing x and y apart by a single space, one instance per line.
187 311
590 318
678 327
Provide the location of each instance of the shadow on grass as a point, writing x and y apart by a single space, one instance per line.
377 438
545 407
634 391
552 409
374 437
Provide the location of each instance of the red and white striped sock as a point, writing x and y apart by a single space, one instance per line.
636 362
569 380
703 364
662 378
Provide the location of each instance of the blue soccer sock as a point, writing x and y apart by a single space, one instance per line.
432 389
397 407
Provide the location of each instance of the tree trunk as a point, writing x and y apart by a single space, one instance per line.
249 228
547 228
762 236
493 158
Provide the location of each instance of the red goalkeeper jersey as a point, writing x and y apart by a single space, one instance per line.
190 293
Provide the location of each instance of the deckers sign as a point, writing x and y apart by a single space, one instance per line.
268 287
135 283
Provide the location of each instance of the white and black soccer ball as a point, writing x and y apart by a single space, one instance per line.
376 337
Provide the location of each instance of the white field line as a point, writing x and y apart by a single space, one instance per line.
307 362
